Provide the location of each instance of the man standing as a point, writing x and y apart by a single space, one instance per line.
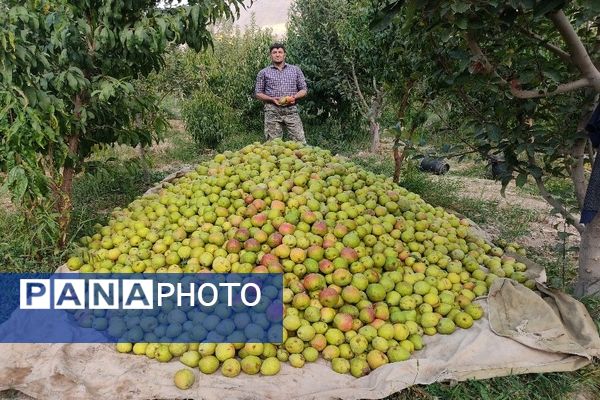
279 86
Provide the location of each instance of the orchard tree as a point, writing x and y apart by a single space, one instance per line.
312 42
215 87
364 61
66 73
345 61
522 77
229 70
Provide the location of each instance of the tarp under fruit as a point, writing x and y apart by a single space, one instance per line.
521 332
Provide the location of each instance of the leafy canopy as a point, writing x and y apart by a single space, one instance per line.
66 72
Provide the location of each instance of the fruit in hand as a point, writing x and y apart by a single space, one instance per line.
284 101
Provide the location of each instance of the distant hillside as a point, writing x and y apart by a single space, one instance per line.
268 14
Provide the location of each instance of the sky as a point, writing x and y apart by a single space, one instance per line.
269 14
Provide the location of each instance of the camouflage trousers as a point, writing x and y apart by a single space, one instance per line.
276 118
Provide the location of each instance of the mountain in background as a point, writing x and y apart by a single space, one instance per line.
267 14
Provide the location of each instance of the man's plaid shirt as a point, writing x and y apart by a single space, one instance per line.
275 83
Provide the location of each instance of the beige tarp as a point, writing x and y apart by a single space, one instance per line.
522 332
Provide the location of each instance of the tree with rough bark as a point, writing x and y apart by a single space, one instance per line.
522 78
66 86
344 60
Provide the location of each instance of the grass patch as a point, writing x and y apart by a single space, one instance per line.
337 146
176 149
561 272
512 222
116 185
335 137
443 193
20 252
592 303
521 387
548 386
180 149
561 188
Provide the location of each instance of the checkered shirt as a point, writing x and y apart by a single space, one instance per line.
275 83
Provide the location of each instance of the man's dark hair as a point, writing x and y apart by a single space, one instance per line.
277 46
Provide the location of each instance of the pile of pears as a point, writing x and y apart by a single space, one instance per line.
368 267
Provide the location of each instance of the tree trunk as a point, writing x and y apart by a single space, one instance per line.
64 202
144 160
375 135
577 171
65 194
398 160
588 280
400 155
578 152
577 50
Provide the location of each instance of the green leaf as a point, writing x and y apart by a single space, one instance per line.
564 235
162 25
140 34
195 14
71 81
460 7
462 23
11 39
387 14
494 132
553 75
17 183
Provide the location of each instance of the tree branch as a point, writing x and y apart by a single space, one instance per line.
477 52
398 159
515 91
470 104
562 88
570 218
469 145
576 170
358 91
566 57
380 97
557 205
405 97
579 54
